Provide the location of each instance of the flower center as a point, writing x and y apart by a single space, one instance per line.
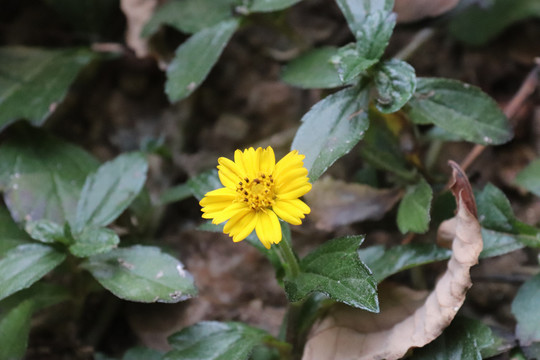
257 193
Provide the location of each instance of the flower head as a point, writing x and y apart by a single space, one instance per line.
256 192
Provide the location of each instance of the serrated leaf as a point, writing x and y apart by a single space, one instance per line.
331 129
335 270
194 59
204 182
525 309
385 262
414 209
270 5
189 16
461 109
33 81
142 273
355 11
110 190
395 81
212 340
480 23
92 241
313 69
46 231
16 312
529 177
24 265
41 175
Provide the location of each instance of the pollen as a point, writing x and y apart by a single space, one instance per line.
257 193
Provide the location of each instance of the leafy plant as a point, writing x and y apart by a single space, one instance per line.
70 224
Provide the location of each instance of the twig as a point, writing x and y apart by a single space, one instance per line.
418 40
527 88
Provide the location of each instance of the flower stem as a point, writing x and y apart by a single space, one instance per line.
288 257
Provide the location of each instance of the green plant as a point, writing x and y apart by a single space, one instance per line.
71 226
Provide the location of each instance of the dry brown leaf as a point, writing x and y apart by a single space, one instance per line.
334 202
412 10
408 318
137 12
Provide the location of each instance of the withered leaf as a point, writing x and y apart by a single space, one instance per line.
334 202
408 318
412 10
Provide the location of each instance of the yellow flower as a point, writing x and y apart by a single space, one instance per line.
256 191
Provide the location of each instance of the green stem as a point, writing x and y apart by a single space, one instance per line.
288 257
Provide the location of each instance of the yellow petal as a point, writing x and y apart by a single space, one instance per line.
292 185
292 211
290 161
244 227
267 228
267 161
296 193
228 212
218 195
235 219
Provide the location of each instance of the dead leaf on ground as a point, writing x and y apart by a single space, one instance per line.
137 12
413 10
334 202
408 318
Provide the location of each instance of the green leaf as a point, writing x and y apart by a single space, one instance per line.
15 316
33 81
41 175
92 241
313 69
498 243
529 177
174 194
110 190
481 22
395 81
204 182
335 270
46 231
374 33
10 234
464 339
381 149
142 353
495 213
189 16
385 262
270 5
194 59
142 273
349 63
24 265
461 109
331 129
14 330
525 308
212 340
356 11
413 212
